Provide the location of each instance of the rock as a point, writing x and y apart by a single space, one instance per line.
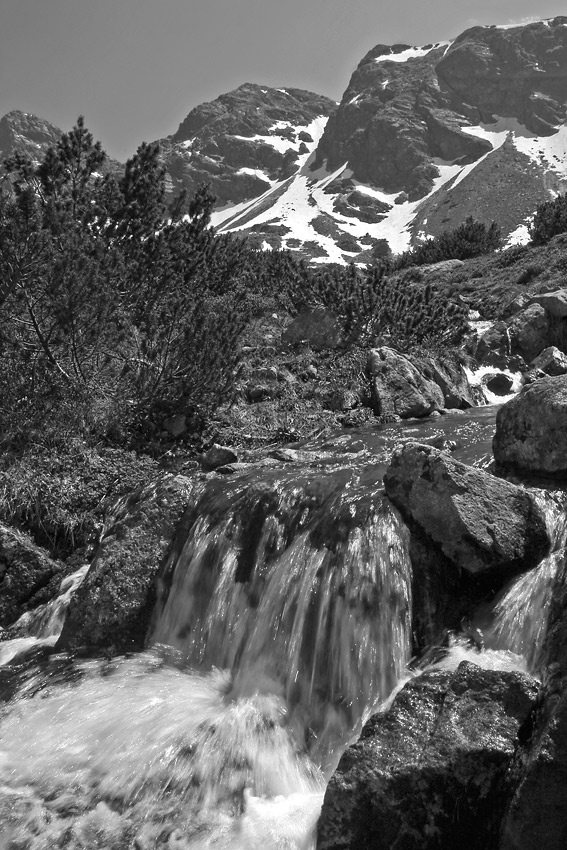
261 392
480 522
531 429
494 345
515 306
554 303
111 609
175 425
319 328
530 332
28 576
451 379
431 772
551 361
500 384
398 388
217 456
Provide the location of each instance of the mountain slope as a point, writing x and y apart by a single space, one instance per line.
424 137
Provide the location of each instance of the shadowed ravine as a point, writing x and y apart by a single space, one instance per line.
283 620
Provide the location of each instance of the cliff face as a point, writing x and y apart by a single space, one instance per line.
27 134
245 141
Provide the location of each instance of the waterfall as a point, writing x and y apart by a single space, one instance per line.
283 619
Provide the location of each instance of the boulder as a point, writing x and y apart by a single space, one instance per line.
531 429
398 388
480 522
530 332
217 456
499 384
319 328
431 772
494 345
28 576
551 361
554 303
451 379
112 607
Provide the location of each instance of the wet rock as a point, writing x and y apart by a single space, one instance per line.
26 575
493 345
551 361
319 328
217 456
398 388
480 522
451 379
530 332
531 429
112 607
431 772
500 384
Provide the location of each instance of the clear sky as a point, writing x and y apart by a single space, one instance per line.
135 68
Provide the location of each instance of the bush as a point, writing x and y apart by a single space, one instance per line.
470 239
549 220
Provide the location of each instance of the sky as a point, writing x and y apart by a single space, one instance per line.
135 68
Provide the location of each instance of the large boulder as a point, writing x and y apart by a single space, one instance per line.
431 772
398 388
551 361
554 303
530 332
531 429
480 522
28 576
112 607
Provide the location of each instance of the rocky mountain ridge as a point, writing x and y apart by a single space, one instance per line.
422 138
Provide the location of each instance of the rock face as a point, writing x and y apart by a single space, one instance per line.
112 607
27 134
25 571
244 141
398 388
480 522
530 332
431 772
551 361
531 429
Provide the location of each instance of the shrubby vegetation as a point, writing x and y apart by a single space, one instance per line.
120 309
550 220
470 239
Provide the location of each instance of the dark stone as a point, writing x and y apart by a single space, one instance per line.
551 361
431 773
111 609
500 384
27 573
480 522
217 456
531 429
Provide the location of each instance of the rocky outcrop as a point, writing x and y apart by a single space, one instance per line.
242 141
111 608
26 134
551 361
398 388
529 332
478 521
431 772
531 430
27 575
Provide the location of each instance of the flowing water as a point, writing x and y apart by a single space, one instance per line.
283 620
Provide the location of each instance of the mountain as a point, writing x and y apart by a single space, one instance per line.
27 134
423 138
246 141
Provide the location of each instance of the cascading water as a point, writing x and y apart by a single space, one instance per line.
283 619
284 616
